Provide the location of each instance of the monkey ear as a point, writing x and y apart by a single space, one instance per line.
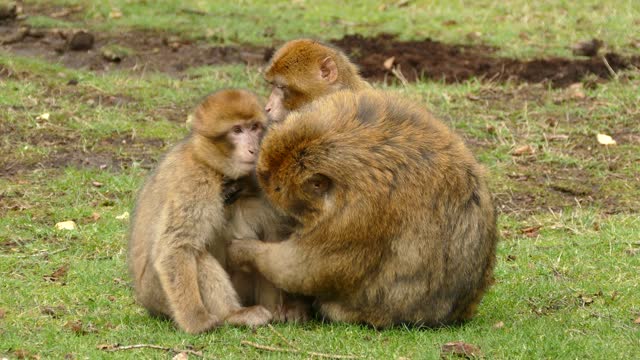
318 185
329 70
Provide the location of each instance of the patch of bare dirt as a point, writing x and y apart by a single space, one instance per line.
114 153
454 63
378 57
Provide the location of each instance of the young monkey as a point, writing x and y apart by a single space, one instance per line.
184 217
304 70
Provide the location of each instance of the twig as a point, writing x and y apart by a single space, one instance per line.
284 339
609 68
398 73
295 351
118 347
41 253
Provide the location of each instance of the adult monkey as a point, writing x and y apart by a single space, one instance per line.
397 225
304 70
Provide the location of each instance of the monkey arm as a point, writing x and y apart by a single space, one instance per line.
287 266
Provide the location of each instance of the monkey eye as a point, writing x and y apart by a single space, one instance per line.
255 126
280 86
236 129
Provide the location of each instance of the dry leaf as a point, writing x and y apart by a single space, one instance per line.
531 231
181 356
44 116
97 184
558 137
56 275
115 14
605 139
2 313
75 326
523 150
123 216
637 321
95 216
576 91
461 349
498 325
388 64
66 225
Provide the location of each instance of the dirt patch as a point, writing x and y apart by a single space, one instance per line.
114 153
415 60
454 63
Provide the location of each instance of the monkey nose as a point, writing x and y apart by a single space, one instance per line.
267 108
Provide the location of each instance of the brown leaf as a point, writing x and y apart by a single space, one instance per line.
576 91
637 321
460 349
75 326
97 184
523 150
388 64
56 275
2 313
53 311
531 231
181 356
95 216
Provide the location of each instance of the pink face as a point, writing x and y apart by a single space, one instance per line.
245 138
275 106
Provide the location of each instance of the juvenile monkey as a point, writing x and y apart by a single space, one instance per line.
397 225
180 228
304 70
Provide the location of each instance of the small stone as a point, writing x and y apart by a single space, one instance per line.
81 41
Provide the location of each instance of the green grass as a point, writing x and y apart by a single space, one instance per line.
567 290
519 27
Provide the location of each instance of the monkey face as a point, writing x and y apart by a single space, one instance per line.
244 138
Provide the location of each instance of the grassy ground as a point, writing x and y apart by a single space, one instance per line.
567 275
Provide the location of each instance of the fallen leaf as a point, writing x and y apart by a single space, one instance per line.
523 150
2 313
576 91
53 311
59 273
44 116
75 326
558 137
605 139
637 321
531 231
66 225
123 216
498 325
388 64
181 356
461 349
95 216
115 14
490 129
97 184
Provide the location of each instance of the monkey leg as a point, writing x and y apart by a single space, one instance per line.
221 299
178 273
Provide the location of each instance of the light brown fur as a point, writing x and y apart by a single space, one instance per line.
397 223
304 70
180 228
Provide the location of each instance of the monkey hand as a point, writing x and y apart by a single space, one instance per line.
241 253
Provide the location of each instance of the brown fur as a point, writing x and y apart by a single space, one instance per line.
397 223
296 66
179 231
